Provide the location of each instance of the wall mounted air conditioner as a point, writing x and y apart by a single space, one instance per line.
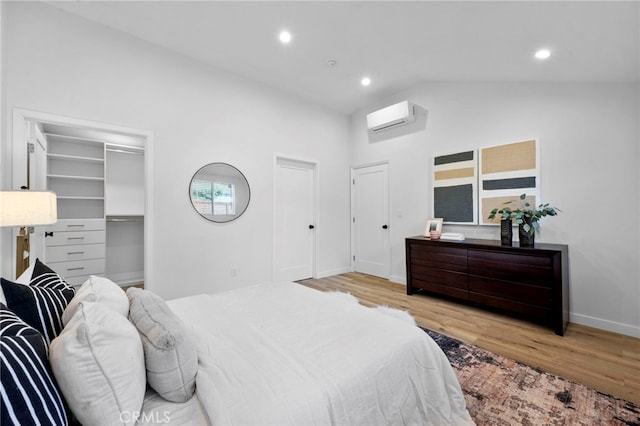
390 117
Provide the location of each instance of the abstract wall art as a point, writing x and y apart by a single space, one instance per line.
505 172
467 185
455 180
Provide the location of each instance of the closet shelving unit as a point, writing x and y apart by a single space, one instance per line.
76 173
75 246
100 191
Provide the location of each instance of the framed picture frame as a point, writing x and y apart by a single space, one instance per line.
434 224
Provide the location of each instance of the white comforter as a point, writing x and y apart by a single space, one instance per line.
284 354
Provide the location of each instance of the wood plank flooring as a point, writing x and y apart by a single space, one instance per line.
602 360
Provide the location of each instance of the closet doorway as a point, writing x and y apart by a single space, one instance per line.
295 219
101 175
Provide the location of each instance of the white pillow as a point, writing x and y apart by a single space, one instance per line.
98 363
170 352
101 290
25 277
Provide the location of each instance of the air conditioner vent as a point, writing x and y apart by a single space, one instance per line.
390 117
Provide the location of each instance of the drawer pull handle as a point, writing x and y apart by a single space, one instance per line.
75 238
75 269
80 225
75 252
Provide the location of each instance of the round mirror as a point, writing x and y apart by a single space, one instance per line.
219 192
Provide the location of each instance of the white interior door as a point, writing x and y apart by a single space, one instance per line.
294 220
371 252
37 172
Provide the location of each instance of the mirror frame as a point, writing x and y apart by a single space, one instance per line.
239 175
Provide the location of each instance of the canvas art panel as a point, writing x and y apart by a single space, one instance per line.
454 187
505 172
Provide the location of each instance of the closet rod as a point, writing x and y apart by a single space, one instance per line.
125 219
123 151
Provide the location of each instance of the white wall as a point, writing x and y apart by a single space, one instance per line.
5 233
58 63
589 156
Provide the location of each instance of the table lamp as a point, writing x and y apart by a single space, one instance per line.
23 209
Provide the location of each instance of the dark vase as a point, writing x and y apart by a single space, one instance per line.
506 232
527 238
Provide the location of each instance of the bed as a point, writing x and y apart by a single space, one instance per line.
270 354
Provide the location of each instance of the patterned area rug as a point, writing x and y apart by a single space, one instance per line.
500 391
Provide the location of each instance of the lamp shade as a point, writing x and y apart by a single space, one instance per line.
28 208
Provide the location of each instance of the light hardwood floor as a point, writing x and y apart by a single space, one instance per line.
602 360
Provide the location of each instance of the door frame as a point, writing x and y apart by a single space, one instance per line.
314 165
353 231
22 116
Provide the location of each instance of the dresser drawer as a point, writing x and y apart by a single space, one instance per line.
77 268
439 276
75 238
540 313
452 259
77 225
527 269
447 290
530 294
75 252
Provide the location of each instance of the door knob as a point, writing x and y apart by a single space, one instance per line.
384 226
311 226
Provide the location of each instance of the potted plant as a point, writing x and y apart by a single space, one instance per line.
526 216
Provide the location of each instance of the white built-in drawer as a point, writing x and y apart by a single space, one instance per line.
77 268
75 252
77 225
75 238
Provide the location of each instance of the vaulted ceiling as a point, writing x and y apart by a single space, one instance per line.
396 44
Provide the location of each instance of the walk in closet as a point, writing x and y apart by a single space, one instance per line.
99 181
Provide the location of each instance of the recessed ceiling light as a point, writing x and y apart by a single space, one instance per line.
285 36
543 54
365 81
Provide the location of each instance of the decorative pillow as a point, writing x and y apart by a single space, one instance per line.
24 278
101 290
171 357
99 365
41 303
29 392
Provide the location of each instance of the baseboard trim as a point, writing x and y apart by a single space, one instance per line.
602 324
331 272
398 279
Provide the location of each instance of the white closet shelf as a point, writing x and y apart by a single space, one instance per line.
75 158
69 177
74 138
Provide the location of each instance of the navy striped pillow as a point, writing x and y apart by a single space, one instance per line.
29 394
41 303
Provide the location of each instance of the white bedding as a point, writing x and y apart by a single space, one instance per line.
284 354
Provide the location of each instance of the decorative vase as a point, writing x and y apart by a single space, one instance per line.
506 232
526 238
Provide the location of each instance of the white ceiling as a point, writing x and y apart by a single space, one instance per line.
398 44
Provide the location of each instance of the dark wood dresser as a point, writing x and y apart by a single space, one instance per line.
528 282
